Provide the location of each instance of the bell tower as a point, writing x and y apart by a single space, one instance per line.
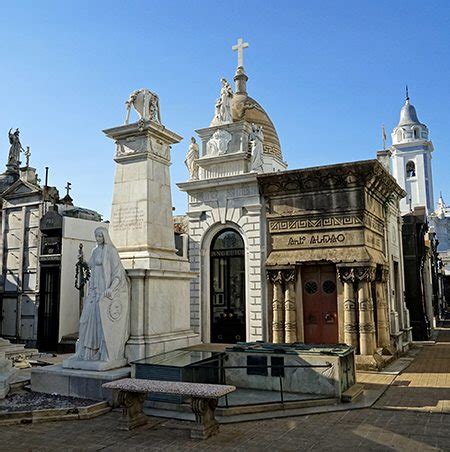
411 159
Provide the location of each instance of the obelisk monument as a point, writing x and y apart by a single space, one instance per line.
142 230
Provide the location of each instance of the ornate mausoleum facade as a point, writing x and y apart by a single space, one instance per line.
334 267
227 242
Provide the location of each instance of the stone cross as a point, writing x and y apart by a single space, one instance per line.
68 188
27 155
240 46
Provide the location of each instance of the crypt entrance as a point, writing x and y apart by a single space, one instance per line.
227 261
319 294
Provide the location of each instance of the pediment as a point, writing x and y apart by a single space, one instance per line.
21 188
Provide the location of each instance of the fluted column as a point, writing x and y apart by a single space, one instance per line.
384 339
276 278
347 277
290 312
367 343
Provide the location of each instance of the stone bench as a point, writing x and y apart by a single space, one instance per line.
132 393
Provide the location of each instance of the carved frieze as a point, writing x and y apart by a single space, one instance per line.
325 222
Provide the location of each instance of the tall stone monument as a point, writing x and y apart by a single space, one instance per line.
142 230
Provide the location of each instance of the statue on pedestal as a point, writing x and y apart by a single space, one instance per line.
257 146
104 320
16 147
191 157
222 114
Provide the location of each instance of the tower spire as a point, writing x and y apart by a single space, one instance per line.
407 93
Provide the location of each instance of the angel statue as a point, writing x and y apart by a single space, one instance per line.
16 147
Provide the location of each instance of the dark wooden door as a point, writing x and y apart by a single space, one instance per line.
48 321
320 304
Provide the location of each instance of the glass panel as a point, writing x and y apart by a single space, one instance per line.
228 239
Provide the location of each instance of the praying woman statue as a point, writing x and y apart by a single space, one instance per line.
104 319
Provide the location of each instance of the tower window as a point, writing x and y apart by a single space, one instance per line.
399 135
416 133
410 169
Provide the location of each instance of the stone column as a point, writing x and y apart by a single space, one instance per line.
347 277
290 311
135 347
367 342
382 309
276 278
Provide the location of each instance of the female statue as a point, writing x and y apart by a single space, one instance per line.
222 114
104 320
191 157
257 145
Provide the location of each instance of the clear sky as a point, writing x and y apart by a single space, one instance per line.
329 73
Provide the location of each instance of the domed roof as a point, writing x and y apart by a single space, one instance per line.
408 115
244 108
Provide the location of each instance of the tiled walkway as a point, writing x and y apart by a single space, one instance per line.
425 384
410 416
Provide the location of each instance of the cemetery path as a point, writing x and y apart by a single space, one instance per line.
413 413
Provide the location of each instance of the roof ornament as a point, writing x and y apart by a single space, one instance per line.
239 47
407 93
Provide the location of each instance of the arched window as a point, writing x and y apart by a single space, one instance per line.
399 135
416 133
410 169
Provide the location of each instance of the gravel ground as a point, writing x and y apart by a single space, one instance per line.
28 401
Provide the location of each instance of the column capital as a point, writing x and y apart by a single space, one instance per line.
290 275
382 273
275 276
365 273
346 274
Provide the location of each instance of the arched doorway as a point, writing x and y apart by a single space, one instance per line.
227 256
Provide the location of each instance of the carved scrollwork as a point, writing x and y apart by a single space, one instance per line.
350 328
366 328
365 273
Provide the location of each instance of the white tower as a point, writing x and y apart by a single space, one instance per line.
411 160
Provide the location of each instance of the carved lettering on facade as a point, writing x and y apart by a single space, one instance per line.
316 239
127 218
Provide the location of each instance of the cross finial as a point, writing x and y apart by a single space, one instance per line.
27 156
68 188
407 93
240 46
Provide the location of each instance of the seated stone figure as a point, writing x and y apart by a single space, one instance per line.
104 321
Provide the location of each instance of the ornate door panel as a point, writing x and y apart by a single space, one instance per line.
320 304
227 288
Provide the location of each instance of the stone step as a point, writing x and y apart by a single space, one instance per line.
352 393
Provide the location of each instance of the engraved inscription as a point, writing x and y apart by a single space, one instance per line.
125 218
316 239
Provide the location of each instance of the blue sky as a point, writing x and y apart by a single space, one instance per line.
329 73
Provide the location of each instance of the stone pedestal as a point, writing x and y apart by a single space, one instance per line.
74 382
142 230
